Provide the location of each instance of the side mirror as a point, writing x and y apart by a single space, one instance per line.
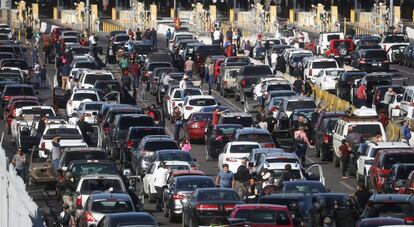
126 172
194 159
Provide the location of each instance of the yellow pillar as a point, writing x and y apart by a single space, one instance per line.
319 10
231 16
352 14
213 13
153 10
114 14
55 13
291 16
397 15
172 13
273 15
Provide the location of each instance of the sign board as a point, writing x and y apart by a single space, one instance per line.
5 4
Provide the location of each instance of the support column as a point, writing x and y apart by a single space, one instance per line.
153 11
352 15
213 13
94 17
35 15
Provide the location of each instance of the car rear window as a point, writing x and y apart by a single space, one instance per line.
38 111
282 160
90 185
304 188
243 148
28 103
112 206
324 64
275 87
121 38
15 91
160 145
375 54
191 184
268 216
187 92
293 105
86 65
333 37
126 122
15 63
81 169
201 117
175 156
151 67
390 209
395 39
260 138
62 131
92 78
80 51
141 133
70 40
84 155
93 106
217 195
333 73
202 102
391 159
368 131
244 121
83 96
257 71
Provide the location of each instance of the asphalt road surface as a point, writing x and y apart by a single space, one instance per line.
47 200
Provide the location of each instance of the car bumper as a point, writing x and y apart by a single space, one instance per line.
176 208
209 220
195 133
372 68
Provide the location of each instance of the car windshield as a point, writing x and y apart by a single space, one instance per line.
90 185
368 131
62 131
91 168
92 78
15 63
38 111
244 121
278 173
217 195
395 39
108 86
160 145
304 188
275 87
293 105
260 138
126 122
287 33
80 51
324 64
335 36
202 102
16 91
391 209
84 155
111 206
226 130
83 96
96 106
239 148
142 49
70 40
182 37
85 65
272 217
191 184
121 38
175 156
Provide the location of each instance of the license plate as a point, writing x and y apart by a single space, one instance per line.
374 64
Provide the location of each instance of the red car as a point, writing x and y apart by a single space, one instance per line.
18 102
196 124
263 215
384 160
217 65
340 48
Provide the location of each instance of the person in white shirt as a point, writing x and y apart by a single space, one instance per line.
216 37
160 180
258 91
273 61
183 85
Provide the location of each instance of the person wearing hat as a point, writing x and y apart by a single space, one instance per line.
160 180
189 67
19 163
65 217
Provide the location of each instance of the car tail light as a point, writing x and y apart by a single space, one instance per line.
87 114
178 197
386 61
207 207
310 72
273 109
188 107
269 145
220 138
325 138
231 159
43 146
363 61
106 130
79 201
173 104
129 144
229 207
409 220
88 217
9 119
6 98
243 83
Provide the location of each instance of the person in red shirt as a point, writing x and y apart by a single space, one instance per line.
345 152
361 96
216 116
383 118
135 71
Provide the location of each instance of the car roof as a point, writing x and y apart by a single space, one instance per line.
302 182
297 98
100 176
281 154
391 198
172 163
35 107
200 97
261 206
187 173
83 149
235 143
119 196
131 218
158 138
236 114
397 151
166 151
249 130
388 144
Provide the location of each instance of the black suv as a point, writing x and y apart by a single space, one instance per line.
110 114
395 206
397 177
323 138
218 137
119 129
371 60
345 83
247 76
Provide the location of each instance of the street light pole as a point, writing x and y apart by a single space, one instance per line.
391 16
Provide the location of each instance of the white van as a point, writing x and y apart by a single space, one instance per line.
313 65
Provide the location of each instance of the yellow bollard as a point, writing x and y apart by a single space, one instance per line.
19 35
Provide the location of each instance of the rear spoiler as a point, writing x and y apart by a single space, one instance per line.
63 137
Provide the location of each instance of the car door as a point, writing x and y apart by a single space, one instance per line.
315 172
337 136
407 99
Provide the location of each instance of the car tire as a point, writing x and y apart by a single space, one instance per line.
171 218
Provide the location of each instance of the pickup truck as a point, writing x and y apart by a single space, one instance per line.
227 79
70 136
25 116
247 77
392 39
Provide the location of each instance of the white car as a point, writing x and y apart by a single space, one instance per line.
393 39
327 78
234 152
149 180
89 77
70 40
89 110
367 156
324 40
177 36
13 71
25 116
78 96
195 103
313 65
70 136
174 99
